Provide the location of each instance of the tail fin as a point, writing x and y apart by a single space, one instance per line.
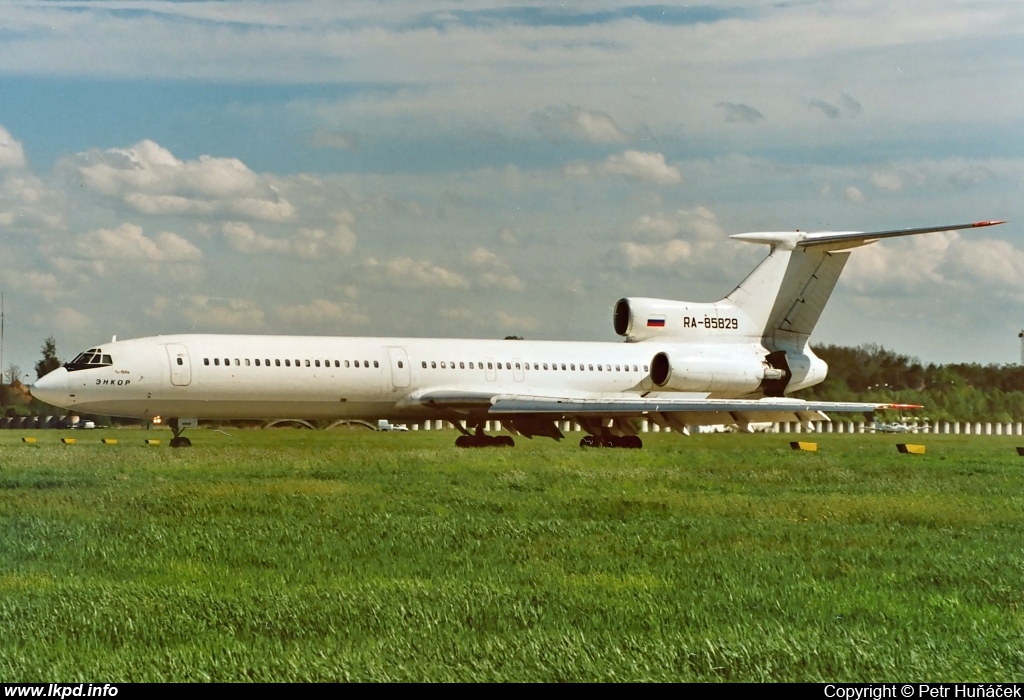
785 295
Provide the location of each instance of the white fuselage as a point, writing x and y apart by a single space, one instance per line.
265 377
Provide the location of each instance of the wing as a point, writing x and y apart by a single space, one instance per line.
682 413
534 413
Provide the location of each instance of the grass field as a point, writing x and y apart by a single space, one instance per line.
294 555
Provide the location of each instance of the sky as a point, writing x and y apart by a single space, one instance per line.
480 169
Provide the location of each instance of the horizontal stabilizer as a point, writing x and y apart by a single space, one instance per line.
845 239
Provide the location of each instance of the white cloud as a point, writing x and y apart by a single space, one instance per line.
513 322
210 313
481 257
656 254
11 153
127 242
888 182
940 264
579 124
854 195
501 281
148 178
636 165
321 311
698 223
407 272
305 243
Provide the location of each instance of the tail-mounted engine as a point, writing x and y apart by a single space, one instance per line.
715 369
638 319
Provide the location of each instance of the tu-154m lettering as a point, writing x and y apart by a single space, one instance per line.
682 364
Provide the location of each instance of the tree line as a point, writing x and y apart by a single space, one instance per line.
960 391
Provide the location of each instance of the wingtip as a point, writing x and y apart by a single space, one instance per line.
979 224
904 406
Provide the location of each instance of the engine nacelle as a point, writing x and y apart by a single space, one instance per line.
708 372
638 318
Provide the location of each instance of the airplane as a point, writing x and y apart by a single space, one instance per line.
683 364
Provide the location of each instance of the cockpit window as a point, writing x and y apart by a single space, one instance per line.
90 359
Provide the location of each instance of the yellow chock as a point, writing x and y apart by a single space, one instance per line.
152 443
109 441
68 441
28 440
906 448
804 446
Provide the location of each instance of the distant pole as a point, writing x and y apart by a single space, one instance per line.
2 338
1019 335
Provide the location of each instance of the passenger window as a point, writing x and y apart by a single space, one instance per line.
346 363
337 364
563 366
237 363
572 367
206 360
617 369
298 363
508 365
645 369
545 365
277 363
423 364
257 362
375 364
180 361
518 366
247 363
307 363
227 362
471 365
287 363
443 366
433 364
216 361
536 366
490 366
266 362
400 365
462 365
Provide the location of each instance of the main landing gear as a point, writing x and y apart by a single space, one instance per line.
178 440
480 439
632 442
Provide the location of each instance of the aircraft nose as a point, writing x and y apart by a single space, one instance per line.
52 388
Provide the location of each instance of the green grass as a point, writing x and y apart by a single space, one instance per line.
293 555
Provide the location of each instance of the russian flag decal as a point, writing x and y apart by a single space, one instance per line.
655 321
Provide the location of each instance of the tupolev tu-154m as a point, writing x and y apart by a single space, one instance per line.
682 364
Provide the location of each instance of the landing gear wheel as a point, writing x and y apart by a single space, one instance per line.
633 442
505 441
181 442
464 441
587 441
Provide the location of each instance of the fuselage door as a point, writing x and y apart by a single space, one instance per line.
181 370
401 374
